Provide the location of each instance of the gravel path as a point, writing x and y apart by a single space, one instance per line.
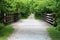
30 29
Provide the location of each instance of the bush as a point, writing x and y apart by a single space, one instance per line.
1 16
58 28
58 21
1 29
1 26
48 10
5 30
24 15
38 16
54 33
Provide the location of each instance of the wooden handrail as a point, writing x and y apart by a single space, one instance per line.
50 18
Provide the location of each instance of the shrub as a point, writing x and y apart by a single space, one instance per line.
58 28
5 30
47 10
58 21
38 16
1 29
1 16
54 34
1 26
24 15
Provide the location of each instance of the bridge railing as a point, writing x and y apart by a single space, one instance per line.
50 18
8 18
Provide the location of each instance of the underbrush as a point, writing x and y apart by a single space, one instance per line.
54 32
5 31
38 16
24 15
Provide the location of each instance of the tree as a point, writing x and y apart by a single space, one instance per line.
4 5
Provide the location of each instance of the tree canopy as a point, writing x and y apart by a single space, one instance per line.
28 5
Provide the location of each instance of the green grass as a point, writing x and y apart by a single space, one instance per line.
6 32
3 38
54 33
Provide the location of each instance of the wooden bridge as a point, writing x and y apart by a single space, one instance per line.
12 17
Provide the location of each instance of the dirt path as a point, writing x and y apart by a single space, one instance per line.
30 29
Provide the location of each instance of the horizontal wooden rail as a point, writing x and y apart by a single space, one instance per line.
9 18
50 18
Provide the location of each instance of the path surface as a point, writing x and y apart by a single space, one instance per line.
30 29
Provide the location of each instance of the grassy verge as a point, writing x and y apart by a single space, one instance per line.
54 33
5 32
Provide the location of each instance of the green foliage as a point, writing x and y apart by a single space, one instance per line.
28 6
5 30
58 21
1 16
25 7
1 29
38 16
58 28
1 26
43 6
4 5
54 34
